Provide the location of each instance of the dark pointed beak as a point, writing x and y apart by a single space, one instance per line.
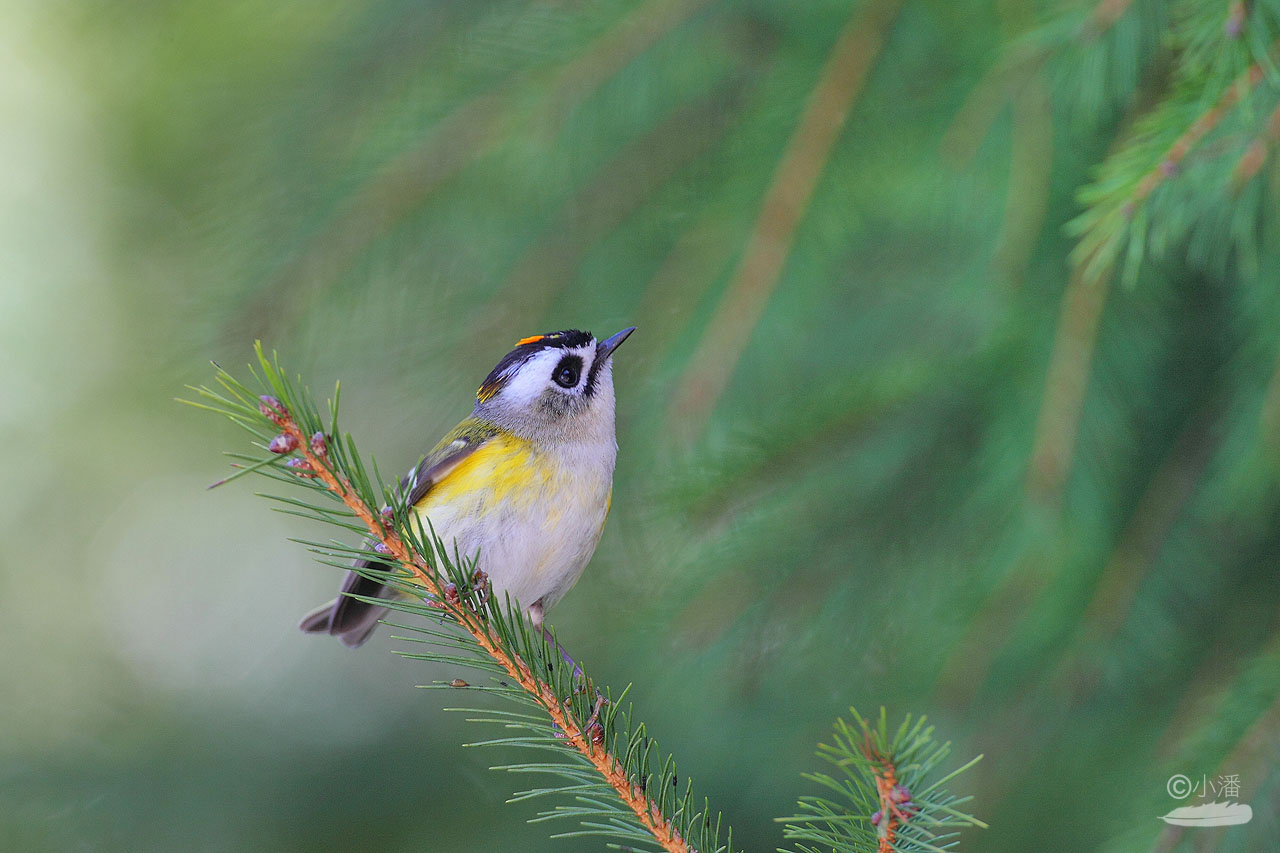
605 348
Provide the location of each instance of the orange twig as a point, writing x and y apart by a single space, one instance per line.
579 735
884 784
1065 386
894 799
1252 160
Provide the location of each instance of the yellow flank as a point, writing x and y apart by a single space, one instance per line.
504 471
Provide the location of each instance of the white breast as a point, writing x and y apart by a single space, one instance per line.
536 547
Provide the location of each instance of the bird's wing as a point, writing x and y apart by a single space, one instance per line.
353 620
445 457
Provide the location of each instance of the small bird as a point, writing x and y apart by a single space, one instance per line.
524 484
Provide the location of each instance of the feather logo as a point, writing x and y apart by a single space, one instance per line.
1210 814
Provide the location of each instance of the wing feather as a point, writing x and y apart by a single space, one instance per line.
354 620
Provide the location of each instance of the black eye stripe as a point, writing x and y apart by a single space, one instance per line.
596 364
568 371
525 350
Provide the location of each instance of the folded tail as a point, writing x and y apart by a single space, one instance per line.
348 619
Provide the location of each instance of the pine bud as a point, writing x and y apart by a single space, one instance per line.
595 733
899 794
301 467
319 446
451 593
480 583
381 548
283 443
388 517
876 818
273 409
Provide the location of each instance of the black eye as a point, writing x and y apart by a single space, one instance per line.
567 371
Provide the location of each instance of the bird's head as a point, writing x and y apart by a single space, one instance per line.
557 386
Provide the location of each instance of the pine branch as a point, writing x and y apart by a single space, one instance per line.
622 786
891 798
1197 131
618 783
1122 212
1116 201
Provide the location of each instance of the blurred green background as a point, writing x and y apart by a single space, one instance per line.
879 443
